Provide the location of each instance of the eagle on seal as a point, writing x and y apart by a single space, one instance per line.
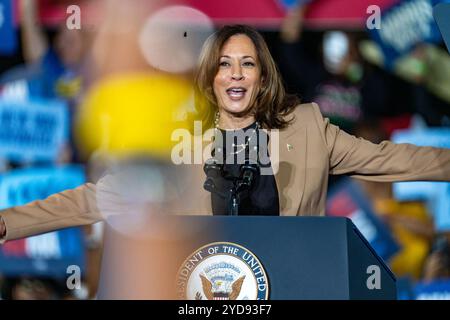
210 295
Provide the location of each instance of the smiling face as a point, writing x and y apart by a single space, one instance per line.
238 78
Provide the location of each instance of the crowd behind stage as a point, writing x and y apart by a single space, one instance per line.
342 70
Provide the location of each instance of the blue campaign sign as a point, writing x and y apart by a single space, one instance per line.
403 26
52 253
32 130
21 186
442 209
290 4
436 194
47 255
429 137
8 43
436 290
441 13
348 200
405 289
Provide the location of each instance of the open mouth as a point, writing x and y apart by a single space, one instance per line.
236 93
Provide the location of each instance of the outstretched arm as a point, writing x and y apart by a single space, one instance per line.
69 208
87 204
384 162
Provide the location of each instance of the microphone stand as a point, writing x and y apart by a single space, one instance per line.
240 187
233 203
243 184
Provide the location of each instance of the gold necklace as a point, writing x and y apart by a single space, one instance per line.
243 146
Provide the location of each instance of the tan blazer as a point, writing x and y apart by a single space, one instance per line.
309 150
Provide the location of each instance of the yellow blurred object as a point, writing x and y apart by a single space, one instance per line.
412 227
134 114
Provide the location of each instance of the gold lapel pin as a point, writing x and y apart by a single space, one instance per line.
290 147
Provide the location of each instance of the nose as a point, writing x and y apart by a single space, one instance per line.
236 73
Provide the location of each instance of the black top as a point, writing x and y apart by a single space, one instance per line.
262 197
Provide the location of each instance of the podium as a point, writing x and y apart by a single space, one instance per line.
302 258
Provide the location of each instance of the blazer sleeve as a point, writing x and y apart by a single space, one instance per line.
384 162
70 208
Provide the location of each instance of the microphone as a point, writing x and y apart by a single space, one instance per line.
249 172
213 170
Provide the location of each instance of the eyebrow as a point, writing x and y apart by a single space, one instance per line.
244 57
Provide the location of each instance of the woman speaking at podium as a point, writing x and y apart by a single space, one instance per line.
296 149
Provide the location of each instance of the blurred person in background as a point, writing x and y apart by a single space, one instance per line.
338 74
333 81
36 288
437 263
419 79
56 58
56 66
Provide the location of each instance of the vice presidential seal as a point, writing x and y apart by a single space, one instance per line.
222 271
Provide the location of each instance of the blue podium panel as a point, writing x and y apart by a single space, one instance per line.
292 258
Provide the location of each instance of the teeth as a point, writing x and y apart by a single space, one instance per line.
236 93
236 90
